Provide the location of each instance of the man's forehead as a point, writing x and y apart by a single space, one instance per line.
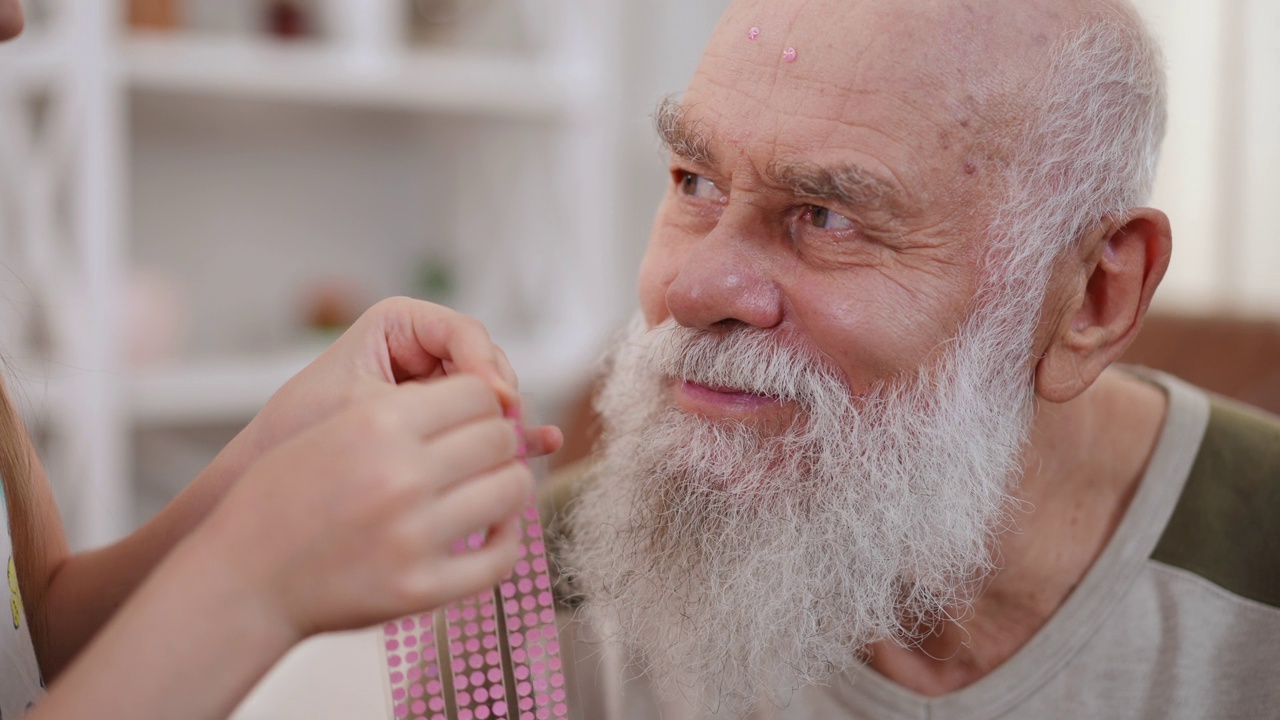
789 72
954 56
853 108
851 43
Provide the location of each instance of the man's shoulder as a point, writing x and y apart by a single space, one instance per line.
1226 526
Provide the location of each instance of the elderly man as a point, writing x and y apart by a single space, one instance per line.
865 455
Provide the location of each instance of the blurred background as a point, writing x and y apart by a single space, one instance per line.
197 195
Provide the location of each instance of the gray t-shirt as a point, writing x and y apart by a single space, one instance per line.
1179 618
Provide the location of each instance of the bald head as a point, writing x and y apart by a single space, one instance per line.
954 51
945 49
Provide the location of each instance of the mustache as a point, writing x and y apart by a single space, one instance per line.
745 359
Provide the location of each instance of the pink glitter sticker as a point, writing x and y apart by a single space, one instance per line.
789 54
753 33
507 631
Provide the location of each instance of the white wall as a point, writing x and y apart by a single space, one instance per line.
1259 197
1220 175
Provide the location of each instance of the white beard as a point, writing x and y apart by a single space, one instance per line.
740 566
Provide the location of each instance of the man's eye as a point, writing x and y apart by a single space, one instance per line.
699 187
824 219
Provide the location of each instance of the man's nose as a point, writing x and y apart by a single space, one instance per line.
726 277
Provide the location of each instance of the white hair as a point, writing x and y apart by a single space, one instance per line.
1089 153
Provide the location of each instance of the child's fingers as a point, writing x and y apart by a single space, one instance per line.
506 531
543 440
506 370
421 336
481 502
430 408
467 573
461 453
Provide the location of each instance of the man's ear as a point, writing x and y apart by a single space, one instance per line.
1109 284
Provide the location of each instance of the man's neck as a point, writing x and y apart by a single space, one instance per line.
1083 465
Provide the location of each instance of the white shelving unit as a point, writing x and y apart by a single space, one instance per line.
111 192
422 80
224 390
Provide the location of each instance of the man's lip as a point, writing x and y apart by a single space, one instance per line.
713 400
720 389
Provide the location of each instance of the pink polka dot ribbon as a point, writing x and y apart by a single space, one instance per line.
495 655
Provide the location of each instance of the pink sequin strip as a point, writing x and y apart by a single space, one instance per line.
475 648
531 630
478 681
413 669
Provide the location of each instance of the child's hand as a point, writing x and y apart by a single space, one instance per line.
395 341
352 521
334 438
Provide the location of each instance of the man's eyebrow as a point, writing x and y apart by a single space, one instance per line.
849 184
680 134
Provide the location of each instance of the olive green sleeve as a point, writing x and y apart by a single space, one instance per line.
1226 527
